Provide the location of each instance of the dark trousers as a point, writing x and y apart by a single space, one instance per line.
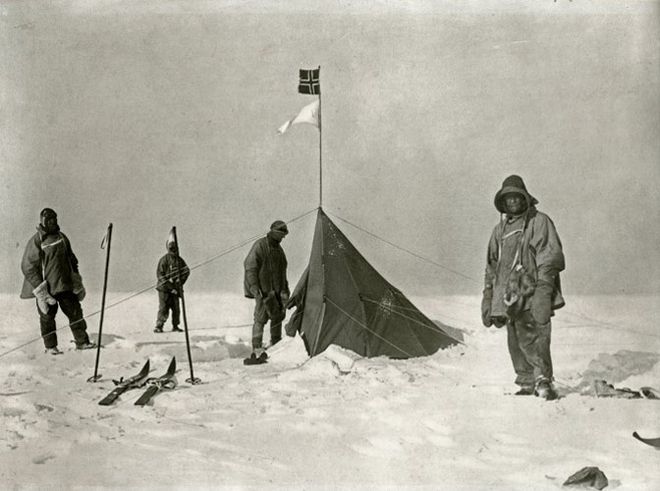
261 316
70 305
168 301
529 347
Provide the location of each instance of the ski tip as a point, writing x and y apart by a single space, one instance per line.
172 367
145 369
653 442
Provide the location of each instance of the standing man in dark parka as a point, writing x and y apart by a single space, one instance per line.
50 270
522 287
171 273
266 281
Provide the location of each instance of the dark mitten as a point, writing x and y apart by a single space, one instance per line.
486 302
541 305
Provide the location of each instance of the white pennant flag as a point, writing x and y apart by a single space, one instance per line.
308 114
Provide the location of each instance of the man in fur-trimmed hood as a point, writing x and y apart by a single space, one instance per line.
522 288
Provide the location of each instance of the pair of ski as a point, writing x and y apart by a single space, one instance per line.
167 381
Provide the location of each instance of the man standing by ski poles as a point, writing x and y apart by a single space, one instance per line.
171 272
50 269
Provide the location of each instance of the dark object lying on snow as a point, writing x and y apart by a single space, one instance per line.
654 442
650 393
603 389
253 359
591 476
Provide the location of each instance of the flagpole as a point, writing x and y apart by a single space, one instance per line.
192 380
320 146
108 241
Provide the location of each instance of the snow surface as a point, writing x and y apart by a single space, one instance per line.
336 421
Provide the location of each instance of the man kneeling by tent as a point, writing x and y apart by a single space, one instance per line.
266 282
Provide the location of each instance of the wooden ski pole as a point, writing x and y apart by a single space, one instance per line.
107 240
192 380
320 146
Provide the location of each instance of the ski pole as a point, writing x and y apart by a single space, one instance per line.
107 240
192 380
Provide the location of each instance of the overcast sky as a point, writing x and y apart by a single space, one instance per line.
153 114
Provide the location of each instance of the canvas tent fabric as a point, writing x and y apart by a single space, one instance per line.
341 299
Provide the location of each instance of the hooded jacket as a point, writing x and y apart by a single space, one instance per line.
540 249
265 268
171 268
48 256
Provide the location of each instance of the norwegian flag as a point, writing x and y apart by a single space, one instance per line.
309 82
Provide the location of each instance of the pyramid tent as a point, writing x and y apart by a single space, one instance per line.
341 299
